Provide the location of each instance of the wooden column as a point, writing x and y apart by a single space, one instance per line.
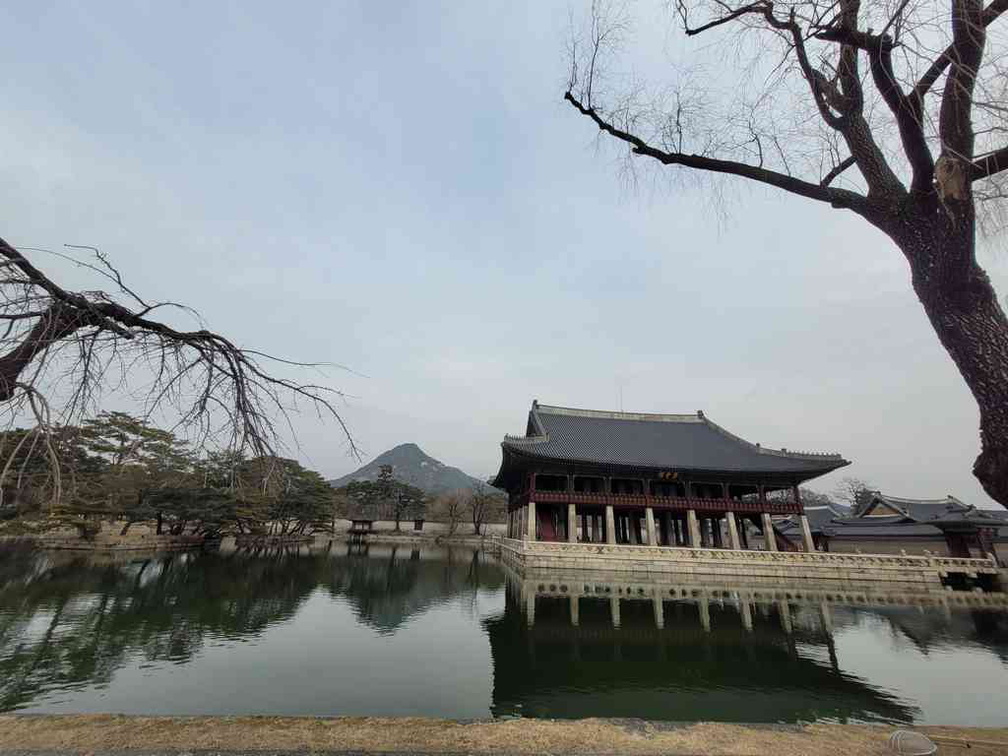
610 524
733 536
649 522
530 526
571 524
769 535
694 528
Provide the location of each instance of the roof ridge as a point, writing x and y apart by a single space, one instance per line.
614 415
766 450
904 500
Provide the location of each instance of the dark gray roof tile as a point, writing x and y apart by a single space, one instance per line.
682 442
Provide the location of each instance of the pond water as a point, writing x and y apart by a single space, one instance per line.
334 630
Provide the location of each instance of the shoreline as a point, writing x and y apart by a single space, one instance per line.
113 732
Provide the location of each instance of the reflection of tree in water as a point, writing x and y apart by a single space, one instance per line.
679 672
388 586
87 618
70 622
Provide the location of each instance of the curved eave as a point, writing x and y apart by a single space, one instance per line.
808 469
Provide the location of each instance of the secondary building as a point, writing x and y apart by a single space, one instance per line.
886 524
590 476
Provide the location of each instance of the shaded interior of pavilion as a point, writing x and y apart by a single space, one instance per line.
648 512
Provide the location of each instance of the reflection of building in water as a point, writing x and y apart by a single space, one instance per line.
659 480
601 645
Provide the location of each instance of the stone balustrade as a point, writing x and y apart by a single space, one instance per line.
787 565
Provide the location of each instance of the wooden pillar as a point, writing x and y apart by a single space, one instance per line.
733 537
530 531
694 528
610 524
649 522
585 537
715 522
571 524
769 535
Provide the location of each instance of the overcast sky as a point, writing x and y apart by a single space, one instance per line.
398 188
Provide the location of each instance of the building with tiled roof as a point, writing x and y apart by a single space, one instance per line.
633 478
891 524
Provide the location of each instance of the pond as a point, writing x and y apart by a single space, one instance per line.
342 630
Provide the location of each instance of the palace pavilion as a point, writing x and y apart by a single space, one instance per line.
588 476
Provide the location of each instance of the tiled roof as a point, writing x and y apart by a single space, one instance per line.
690 442
920 509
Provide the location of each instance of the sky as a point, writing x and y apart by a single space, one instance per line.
399 189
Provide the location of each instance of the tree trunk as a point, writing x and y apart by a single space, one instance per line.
962 306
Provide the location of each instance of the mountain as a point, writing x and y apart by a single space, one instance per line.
411 465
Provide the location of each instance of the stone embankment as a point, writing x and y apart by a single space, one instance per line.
124 734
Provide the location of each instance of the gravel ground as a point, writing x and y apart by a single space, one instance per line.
111 734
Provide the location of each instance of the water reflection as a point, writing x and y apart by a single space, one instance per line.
71 621
584 645
349 630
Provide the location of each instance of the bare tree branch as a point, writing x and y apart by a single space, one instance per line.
64 343
835 197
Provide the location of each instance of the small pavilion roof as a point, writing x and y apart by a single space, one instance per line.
680 442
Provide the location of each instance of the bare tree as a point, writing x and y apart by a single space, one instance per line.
479 507
855 492
61 349
450 508
915 145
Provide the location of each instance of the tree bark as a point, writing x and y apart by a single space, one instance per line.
962 306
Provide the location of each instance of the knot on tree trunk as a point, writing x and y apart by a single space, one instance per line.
991 469
951 179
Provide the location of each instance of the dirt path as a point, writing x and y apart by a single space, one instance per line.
99 733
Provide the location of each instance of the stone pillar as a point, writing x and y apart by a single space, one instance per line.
574 613
824 616
769 536
705 614
733 537
530 525
694 528
746 615
572 536
785 616
530 606
659 611
614 610
649 521
610 524
807 535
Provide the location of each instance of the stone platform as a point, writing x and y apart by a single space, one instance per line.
931 572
